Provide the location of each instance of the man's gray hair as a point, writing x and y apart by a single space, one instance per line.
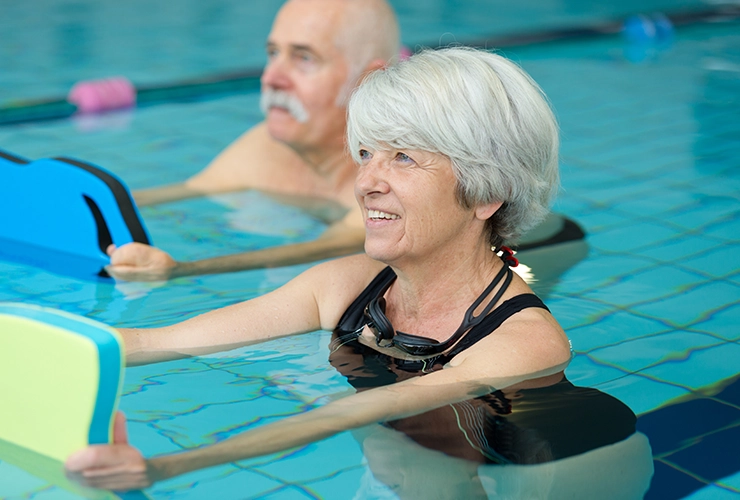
369 30
480 110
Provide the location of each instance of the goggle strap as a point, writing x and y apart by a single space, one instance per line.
376 307
469 321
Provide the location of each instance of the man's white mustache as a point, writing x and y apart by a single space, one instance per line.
272 98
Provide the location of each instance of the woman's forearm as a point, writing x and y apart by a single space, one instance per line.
358 410
285 434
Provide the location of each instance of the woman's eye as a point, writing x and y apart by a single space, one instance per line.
403 157
365 155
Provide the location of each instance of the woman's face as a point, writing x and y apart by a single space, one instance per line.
410 208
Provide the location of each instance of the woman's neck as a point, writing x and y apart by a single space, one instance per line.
434 296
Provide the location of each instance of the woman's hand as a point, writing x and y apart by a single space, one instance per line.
139 262
118 466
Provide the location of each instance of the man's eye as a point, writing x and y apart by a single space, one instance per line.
304 57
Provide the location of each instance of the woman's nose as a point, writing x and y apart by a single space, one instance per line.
371 178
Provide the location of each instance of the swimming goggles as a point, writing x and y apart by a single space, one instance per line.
386 336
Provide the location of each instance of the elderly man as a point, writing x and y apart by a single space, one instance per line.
317 53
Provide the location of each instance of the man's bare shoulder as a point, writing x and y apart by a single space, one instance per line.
253 161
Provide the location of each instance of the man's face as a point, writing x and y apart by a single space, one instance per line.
305 63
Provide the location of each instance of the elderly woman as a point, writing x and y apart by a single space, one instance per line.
457 154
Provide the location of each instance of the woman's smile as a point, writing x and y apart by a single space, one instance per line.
379 215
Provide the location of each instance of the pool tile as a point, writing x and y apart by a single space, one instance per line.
721 446
713 492
692 306
583 371
635 355
572 205
659 202
225 481
598 220
595 273
573 312
727 229
732 482
17 482
614 328
180 385
703 367
584 178
690 423
682 248
214 423
640 393
640 287
618 193
718 262
708 210
718 186
668 482
724 323
288 492
730 394
669 278
632 237
302 466
52 493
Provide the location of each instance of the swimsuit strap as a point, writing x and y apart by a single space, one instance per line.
495 319
353 317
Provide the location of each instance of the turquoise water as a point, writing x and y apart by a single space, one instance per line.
650 169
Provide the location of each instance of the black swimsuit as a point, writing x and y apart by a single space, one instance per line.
353 320
531 426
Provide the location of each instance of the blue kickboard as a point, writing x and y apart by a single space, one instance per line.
65 208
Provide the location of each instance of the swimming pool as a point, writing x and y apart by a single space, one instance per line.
649 135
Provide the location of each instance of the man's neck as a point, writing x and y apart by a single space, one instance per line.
332 165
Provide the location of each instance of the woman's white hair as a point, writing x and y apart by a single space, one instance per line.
480 110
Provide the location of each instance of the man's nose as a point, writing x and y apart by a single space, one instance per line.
276 75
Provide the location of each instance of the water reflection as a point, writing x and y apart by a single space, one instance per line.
538 438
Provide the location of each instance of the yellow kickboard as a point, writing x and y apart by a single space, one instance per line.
60 380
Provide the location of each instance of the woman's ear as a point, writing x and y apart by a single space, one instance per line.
486 211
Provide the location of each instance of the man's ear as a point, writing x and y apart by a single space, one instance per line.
486 211
373 65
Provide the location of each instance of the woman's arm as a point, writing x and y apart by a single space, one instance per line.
121 466
312 301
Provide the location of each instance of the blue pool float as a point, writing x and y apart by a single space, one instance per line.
61 214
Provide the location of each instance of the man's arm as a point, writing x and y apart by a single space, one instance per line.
139 262
227 172
164 194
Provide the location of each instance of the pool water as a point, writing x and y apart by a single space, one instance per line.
650 169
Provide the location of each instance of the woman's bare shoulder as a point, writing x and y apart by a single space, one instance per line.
528 342
336 283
